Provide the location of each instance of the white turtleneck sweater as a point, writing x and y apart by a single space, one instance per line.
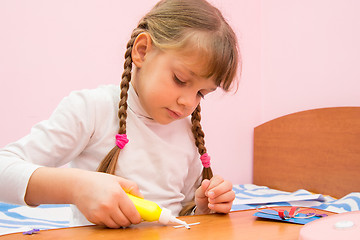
161 159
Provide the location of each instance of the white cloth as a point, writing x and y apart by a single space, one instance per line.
161 159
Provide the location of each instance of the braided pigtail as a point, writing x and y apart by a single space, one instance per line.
205 158
108 164
200 143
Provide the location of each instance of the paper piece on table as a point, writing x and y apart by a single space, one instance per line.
291 220
189 224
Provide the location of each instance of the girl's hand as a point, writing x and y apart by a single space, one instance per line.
214 195
102 199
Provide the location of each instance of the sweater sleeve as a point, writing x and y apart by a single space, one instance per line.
53 142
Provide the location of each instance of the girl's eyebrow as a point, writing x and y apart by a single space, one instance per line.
183 67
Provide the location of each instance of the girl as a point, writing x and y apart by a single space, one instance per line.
179 52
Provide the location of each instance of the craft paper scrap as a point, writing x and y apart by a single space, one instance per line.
290 220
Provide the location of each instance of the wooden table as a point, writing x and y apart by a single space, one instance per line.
236 225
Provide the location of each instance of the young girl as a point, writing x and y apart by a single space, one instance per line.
179 52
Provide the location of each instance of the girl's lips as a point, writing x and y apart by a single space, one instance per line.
173 114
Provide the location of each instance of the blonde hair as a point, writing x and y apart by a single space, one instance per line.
183 26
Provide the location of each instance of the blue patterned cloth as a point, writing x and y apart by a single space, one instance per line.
249 196
15 218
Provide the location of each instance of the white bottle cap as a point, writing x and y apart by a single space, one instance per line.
166 217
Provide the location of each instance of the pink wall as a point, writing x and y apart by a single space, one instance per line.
297 55
49 48
310 55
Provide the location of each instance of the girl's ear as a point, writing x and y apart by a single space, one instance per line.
141 47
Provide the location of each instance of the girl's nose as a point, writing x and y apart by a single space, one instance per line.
188 100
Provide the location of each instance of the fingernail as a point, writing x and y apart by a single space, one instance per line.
211 206
211 194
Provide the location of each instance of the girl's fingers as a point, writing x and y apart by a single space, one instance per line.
205 184
224 198
110 223
215 194
200 192
120 219
130 187
127 210
217 190
220 207
215 181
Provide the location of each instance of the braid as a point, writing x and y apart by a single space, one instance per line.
199 139
200 144
108 164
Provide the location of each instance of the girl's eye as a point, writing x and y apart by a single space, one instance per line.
181 83
178 81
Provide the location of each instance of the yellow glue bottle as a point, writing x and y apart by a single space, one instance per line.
150 211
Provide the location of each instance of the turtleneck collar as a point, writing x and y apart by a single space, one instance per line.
134 104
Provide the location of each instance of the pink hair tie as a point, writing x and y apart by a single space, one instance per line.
205 160
121 140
